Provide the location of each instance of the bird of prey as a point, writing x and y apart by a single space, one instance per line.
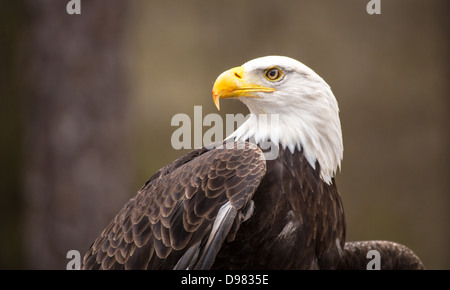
264 198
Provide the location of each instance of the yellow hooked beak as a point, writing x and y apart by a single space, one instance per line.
233 84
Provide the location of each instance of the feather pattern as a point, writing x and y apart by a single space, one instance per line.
393 256
276 214
174 215
295 223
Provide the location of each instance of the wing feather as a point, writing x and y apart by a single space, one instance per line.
221 227
175 220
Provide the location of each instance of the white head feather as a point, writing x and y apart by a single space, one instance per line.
308 113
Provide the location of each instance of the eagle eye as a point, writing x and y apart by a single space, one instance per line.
273 74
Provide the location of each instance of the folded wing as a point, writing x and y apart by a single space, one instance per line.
184 212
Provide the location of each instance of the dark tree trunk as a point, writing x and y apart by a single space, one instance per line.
76 166
11 21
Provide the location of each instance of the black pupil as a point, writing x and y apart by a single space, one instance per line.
273 73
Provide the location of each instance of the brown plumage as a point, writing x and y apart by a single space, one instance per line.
298 221
295 221
393 256
176 208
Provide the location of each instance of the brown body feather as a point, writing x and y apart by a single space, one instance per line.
297 220
297 223
393 256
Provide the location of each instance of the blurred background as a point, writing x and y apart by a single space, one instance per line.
86 103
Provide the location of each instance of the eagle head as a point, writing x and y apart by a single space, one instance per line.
283 89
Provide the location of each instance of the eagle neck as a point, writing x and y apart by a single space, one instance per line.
321 143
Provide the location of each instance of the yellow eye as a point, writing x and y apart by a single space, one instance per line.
273 74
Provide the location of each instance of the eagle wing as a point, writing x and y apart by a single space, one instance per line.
184 212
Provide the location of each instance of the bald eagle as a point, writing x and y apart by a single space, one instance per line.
232 207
